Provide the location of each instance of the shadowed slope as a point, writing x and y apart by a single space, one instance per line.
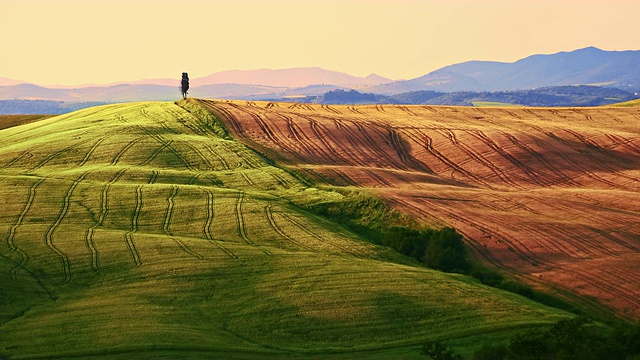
550 195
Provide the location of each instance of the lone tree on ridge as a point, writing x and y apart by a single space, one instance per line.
184 85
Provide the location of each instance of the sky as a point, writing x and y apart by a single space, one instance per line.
73 42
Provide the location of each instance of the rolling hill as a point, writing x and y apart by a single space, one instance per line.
550 195
144 230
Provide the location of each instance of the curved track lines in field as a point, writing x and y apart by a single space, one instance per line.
424 140
155 153
559 177
241 224
223 162
272 223
168 213
10 240
91 150
200 155
526 169
301 138
166 223
120 153
27 153
573 164
167 144
66 204
323 240
52 156
154 176
102 215
477 157
128 238
206 228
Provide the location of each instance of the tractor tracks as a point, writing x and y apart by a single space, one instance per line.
102 215
135 217
10 240
206 228
66 204
241 225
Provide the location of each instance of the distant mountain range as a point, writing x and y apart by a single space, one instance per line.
588 66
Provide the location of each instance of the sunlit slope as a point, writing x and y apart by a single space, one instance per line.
134 229
552 195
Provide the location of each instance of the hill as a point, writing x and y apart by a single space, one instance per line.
588 66
144 230
547 194
290 78
552 96
8 82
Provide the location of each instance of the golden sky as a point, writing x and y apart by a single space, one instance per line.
72 42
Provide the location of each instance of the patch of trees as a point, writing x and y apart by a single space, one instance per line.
573 339
440 249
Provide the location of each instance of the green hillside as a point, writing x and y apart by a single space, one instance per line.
140 229
628 103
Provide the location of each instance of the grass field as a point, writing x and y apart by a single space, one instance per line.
550 195
628 103
142 230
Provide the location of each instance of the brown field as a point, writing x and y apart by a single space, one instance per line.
551 195
7 121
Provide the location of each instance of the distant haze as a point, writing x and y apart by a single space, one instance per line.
72 42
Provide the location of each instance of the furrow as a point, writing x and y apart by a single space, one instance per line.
154 176
91 150
102 215
532 174
155 153
51 157
319 238
199 154
272 223
124 149
241 226
186 248
428 146
224 163
480 159
26 153
133 250
10 240
168 213
563 178
66 204
206 229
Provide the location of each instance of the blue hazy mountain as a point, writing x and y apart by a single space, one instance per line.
588 66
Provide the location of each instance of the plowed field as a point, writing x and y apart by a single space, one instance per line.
551 195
